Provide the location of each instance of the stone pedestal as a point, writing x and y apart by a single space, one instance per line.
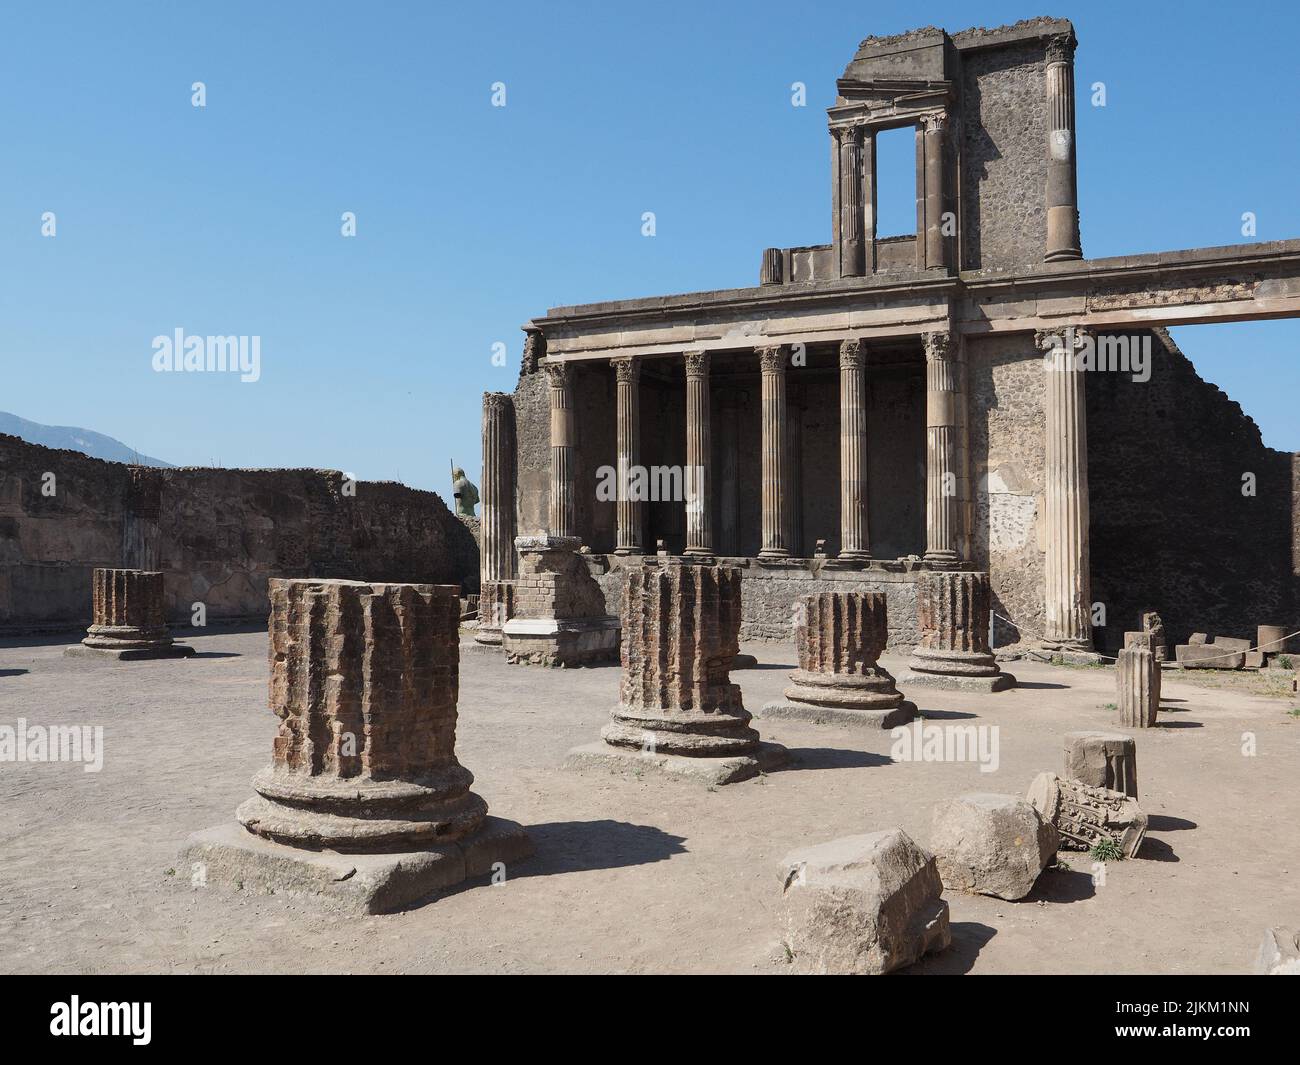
953 611
678 711
559 611
1084 815
496 606
128 618
839 637
1137 675
1102 760
364 679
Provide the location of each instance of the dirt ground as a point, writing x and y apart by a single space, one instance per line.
631 874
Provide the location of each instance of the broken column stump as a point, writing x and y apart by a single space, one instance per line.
364 806
496 606
861 905
1085 816
1137 680
128 619
1102 760
839 637
558 617
678 711
953 612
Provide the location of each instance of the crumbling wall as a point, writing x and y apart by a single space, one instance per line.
220 534
1172 530
1007 454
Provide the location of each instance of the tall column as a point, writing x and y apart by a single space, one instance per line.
794 479
852 229
777 530
936 242
729 477
942 502
854 542
562 519
1062 192
497 550
1068 617
628 371
699 448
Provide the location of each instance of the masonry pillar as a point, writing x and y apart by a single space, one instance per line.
628 372
699 448
777 531
562 519
128 618
852 228
1068 597
497 550
942 500
936 242
854 543
1062 194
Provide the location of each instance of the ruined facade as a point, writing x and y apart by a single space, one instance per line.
923 401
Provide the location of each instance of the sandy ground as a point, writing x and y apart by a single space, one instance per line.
631 875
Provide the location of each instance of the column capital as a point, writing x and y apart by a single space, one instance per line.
771 358
850 133
853 354
697 363
626 367
935 122
559 373
939 346
497 401
1060 48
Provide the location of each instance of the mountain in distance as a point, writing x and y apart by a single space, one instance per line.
87 441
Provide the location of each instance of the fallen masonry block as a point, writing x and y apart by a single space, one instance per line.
991 844
1102 760
1085 816
864 905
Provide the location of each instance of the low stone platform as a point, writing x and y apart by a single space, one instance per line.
841 715
711 771
230 857
130 654
953 683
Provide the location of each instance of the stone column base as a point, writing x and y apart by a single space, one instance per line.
233 858
972 671
130 653
1070 656
552 642
854 717
714 772
956 682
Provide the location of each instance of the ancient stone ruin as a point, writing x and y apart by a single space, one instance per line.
1137 676
129 622
1102 760
364 806
991 844
1086 816
678 710
953 610
862 905
839 637
558 616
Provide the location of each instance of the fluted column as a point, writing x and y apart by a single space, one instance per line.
936 243
942 504
562 519
699 447
852 227
777 525
628 372
729 477
497 550
1068 620
854 541
1062 185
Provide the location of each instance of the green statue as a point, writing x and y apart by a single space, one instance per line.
464 491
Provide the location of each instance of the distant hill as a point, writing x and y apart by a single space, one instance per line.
88 442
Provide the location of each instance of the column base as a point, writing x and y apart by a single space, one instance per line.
634 550
949 682
699 552
713 772
775 553
855 556
233 858
130 654
877 718
943 558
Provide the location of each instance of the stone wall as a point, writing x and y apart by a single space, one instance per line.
1171 528
218 534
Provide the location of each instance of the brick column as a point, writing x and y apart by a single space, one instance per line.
699 447
777 530
1068 597
942 501
628 373
562 518
128 618
854 541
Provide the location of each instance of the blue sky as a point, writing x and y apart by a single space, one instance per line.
472 219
